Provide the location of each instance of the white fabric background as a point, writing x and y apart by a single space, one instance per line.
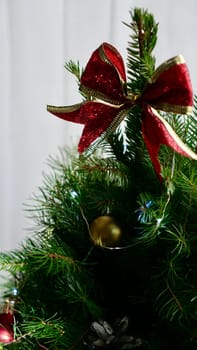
36 39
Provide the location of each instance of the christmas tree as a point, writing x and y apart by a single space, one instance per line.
112 263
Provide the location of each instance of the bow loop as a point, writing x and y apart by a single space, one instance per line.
104 76
169 89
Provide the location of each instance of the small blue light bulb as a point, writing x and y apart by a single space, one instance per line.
14 291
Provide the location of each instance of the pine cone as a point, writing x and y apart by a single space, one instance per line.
103 336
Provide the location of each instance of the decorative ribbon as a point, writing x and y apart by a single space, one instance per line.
103 82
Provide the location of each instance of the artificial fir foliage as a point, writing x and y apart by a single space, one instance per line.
80 285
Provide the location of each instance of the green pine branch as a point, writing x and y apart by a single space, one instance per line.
143 37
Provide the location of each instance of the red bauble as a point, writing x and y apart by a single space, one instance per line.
6 328
5 336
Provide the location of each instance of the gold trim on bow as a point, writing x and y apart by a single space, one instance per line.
63 109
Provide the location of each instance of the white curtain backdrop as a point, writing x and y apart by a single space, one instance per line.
36 39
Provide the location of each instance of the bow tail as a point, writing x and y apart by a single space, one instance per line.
101 120
156 132
69 113
98 119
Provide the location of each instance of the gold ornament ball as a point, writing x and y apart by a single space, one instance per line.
105 231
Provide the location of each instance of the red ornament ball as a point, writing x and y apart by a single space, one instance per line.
5 336
6 328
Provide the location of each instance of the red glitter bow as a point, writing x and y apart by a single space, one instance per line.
103 82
